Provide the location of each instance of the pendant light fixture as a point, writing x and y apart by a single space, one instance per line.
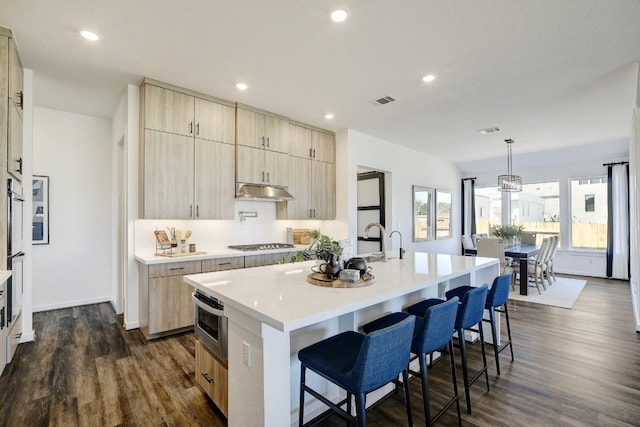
509 182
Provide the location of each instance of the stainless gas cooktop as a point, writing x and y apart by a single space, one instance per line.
261 246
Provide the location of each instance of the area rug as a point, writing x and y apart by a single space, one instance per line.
563 293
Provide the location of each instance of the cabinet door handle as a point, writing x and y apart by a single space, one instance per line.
197 211
176 268
198 128
21 102
206 377
19 170
224 263
190 211
191 127
268 142
268 176
314 153
263 141
310 152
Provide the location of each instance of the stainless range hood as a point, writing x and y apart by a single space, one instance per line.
262 192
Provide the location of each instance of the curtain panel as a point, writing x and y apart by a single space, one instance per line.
618 221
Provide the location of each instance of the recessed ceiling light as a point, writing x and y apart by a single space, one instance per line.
429 78
329 116
242 86
339 15
90 35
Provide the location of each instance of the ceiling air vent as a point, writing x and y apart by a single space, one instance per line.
490 130
384 100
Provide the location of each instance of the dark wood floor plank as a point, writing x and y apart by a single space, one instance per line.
578 367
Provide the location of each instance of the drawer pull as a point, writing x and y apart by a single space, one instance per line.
206 377
225 263
176 268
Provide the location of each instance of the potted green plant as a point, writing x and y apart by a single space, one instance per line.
325 247
509 233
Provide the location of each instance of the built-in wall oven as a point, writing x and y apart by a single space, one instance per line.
14 249
210 323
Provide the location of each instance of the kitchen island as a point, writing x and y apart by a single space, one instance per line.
273 312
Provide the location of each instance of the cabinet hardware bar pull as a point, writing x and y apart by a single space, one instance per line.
206 377
314 153
190 211
268 142
198 128
224 263
176 268
263 141
197 211
310 152
21 102
268 180
19 170
190 127
262 176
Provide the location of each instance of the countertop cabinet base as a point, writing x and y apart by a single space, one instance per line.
212 376
165 300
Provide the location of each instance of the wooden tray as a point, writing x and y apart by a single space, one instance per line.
321 279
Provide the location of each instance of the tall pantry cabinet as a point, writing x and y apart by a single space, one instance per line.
11 95
188 154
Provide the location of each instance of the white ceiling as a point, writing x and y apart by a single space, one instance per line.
553 74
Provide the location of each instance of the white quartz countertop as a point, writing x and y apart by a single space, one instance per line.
279 295
4 275
219 253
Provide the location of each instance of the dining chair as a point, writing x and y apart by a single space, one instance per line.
549 263
467 244
494 248
528 237
359 363
536 267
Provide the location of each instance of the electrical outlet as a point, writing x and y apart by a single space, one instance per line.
246 354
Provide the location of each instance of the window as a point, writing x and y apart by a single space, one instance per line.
589 213
488 202
537 208
589 202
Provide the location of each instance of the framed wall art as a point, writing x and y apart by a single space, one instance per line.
40 210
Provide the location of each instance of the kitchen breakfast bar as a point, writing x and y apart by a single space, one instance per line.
273 312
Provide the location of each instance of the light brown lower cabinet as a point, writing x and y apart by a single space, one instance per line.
212 376
165 299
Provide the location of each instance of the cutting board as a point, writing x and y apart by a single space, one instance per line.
180 254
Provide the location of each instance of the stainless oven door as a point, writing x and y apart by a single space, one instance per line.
210 325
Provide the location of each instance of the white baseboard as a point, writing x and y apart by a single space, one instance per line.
635 303
28 336
131 325
67 304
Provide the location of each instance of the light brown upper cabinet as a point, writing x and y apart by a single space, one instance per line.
16 77
13 114
262 148
189 154
312 175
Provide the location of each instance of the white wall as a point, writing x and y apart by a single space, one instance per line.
404 168
75 152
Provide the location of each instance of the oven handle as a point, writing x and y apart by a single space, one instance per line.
206 307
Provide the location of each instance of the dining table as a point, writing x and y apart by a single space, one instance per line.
521 254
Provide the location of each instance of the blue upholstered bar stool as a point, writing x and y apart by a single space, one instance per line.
496 301
359 364
469 317
433 332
